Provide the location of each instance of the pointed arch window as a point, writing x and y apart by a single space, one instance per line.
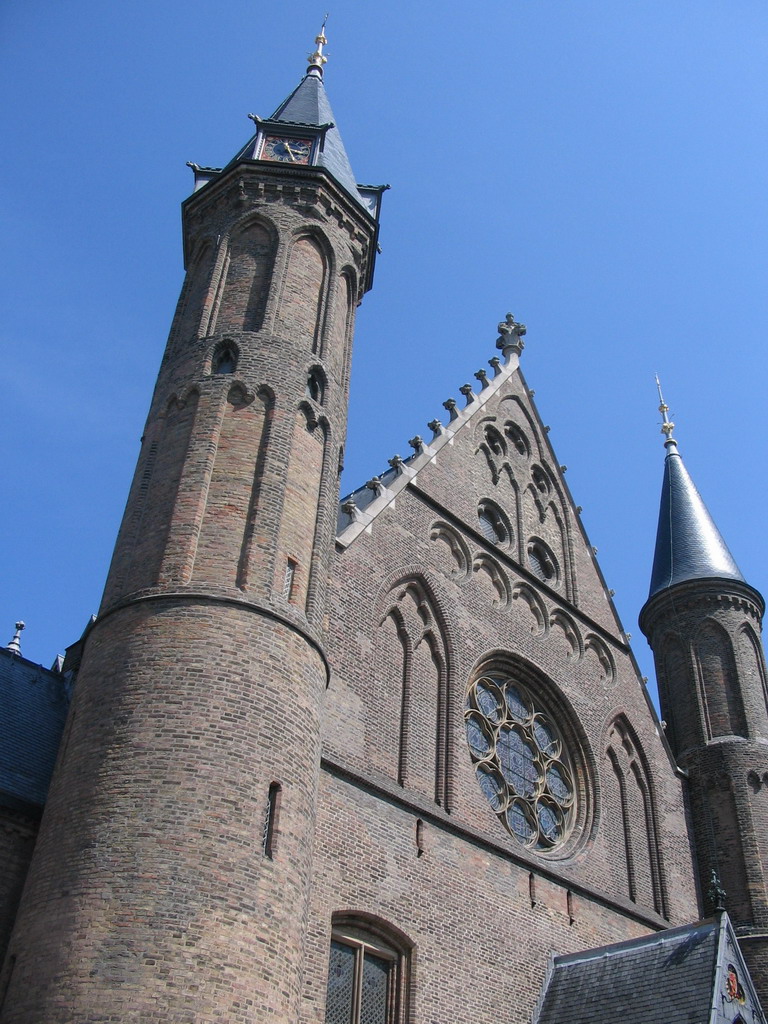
225 358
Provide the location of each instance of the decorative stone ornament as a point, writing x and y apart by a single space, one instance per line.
510 335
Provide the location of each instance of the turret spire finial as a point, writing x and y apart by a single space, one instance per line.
15 645
667 425
317 59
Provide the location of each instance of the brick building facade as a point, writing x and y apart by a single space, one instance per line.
375 761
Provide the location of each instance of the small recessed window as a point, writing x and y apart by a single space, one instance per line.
493 524
316 387
540 480
225 359
542 563
289 578
269 830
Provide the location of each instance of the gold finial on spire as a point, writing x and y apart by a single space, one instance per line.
317 59
667 425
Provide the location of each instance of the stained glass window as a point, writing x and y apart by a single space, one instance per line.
522 764
341 985
364 979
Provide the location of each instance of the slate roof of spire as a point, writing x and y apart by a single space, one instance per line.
308 105
688 544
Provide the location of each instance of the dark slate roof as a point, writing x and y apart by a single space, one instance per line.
666 977
308 105
33 708
688 544
695 974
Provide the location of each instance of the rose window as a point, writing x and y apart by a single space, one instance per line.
521 762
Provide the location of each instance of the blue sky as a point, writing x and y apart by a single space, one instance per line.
596 167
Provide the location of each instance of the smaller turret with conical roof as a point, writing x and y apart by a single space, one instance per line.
703 622
688 544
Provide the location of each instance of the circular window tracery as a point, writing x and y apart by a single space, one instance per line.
521 762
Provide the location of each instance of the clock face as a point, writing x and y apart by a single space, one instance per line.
286 149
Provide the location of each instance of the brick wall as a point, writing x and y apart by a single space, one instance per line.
151 895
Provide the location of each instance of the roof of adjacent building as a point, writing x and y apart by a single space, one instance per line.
33 708
688 544
687 975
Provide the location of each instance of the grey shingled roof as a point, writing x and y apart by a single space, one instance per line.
33 708
695 974
688 544
667 978
308 105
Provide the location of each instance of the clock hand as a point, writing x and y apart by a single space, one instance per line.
290 152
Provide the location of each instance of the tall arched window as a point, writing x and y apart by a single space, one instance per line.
367 974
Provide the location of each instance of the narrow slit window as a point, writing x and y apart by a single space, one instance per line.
289 579
270 820
419 837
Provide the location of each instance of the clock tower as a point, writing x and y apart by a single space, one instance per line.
171 875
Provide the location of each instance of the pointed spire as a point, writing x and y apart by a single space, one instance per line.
15 645
688 544
317 59
307 107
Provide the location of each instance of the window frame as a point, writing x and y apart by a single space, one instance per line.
365 937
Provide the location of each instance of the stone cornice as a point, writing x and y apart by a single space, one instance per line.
702 596
256 183
201 596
